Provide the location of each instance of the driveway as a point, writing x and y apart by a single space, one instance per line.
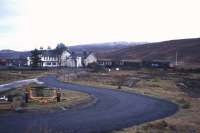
113 110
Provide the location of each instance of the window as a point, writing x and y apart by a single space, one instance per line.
48 63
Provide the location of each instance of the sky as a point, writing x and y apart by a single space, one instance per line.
29 24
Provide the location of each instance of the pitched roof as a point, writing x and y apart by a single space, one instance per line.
80 54
48 53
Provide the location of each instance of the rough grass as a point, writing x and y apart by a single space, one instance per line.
68 99
9 76
157 83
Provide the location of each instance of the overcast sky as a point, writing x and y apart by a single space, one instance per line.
28 24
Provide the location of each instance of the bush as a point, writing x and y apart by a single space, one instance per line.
120 81
186 106
183 103
96 67
161 125
155 79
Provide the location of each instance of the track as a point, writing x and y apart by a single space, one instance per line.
113 110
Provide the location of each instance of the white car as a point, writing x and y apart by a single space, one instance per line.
4 98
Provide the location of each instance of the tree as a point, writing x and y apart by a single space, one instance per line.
35 58
22 61
60 48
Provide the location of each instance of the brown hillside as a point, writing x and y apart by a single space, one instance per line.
188 51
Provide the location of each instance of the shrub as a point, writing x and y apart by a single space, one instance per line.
120 81
161 125
183 103
96 67
155 79
186 105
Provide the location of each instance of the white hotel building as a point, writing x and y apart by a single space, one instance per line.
68 59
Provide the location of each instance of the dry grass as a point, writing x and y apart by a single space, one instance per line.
155 83
9 76
69 99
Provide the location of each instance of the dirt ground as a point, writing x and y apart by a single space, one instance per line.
181 88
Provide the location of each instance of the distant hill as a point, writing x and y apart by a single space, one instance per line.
96 48
188 51
103 47
10 54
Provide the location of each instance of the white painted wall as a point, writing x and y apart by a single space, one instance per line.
70 62
64 57
90 59
66 60
79 62
28 61
50 64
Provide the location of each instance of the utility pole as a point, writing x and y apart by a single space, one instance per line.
176 58
64 74
68 75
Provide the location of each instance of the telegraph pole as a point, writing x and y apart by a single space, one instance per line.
176 58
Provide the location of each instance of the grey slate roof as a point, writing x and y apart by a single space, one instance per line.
48 53
80 54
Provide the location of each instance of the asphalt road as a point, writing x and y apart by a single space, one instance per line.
113 110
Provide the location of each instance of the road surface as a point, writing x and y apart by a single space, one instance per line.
113 110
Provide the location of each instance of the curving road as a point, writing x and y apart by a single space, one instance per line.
113 110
